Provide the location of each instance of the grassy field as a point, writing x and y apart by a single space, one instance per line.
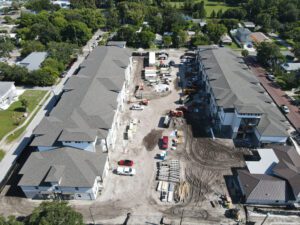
209 6
13 116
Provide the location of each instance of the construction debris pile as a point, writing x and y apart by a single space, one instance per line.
181 192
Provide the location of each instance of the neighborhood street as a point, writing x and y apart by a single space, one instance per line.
278 95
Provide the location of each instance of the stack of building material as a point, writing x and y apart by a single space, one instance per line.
169 171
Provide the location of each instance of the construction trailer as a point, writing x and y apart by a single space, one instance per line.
152 59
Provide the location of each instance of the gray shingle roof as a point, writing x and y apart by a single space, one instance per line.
72 167
89 101
261 187
281 183
288 167
4 87
234 86
34 60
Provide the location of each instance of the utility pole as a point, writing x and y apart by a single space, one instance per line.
181 218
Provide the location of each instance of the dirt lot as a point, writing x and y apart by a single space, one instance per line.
204 162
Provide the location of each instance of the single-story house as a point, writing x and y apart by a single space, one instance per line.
65 4
290 67
120 44
64 173
249 25
191 33
158 39
33 61
168 33
226 39
7 94
243 35
272 180
259 37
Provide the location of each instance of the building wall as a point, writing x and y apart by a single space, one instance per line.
45 148
269 139
8 97
84 145
80 193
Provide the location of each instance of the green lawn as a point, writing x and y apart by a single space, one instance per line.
13 116
209 6
234 46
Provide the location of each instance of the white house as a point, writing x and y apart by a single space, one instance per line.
8 94
290 67
237 104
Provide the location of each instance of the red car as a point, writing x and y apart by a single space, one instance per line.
165 142
125 162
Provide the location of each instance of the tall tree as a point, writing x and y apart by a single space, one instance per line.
268 53
55 213
6 46
215 31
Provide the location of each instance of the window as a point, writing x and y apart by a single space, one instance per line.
76 188
36 187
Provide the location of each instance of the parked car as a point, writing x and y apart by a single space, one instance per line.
127 171
137 107
63 74
165 142
166 121
125 162
270 77
284 109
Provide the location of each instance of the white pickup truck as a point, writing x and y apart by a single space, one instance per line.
127 171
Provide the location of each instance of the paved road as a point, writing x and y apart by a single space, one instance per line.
17 148
279 96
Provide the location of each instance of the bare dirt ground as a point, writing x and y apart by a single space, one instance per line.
204 164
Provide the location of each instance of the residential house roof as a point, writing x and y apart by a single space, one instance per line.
262 187
243 35
289 167
67 166
268 160
226 39
278 170
5 86
249 24
291 66
259 37
120 44
34 60
229 77
87 106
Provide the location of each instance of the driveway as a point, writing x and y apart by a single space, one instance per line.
278 95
